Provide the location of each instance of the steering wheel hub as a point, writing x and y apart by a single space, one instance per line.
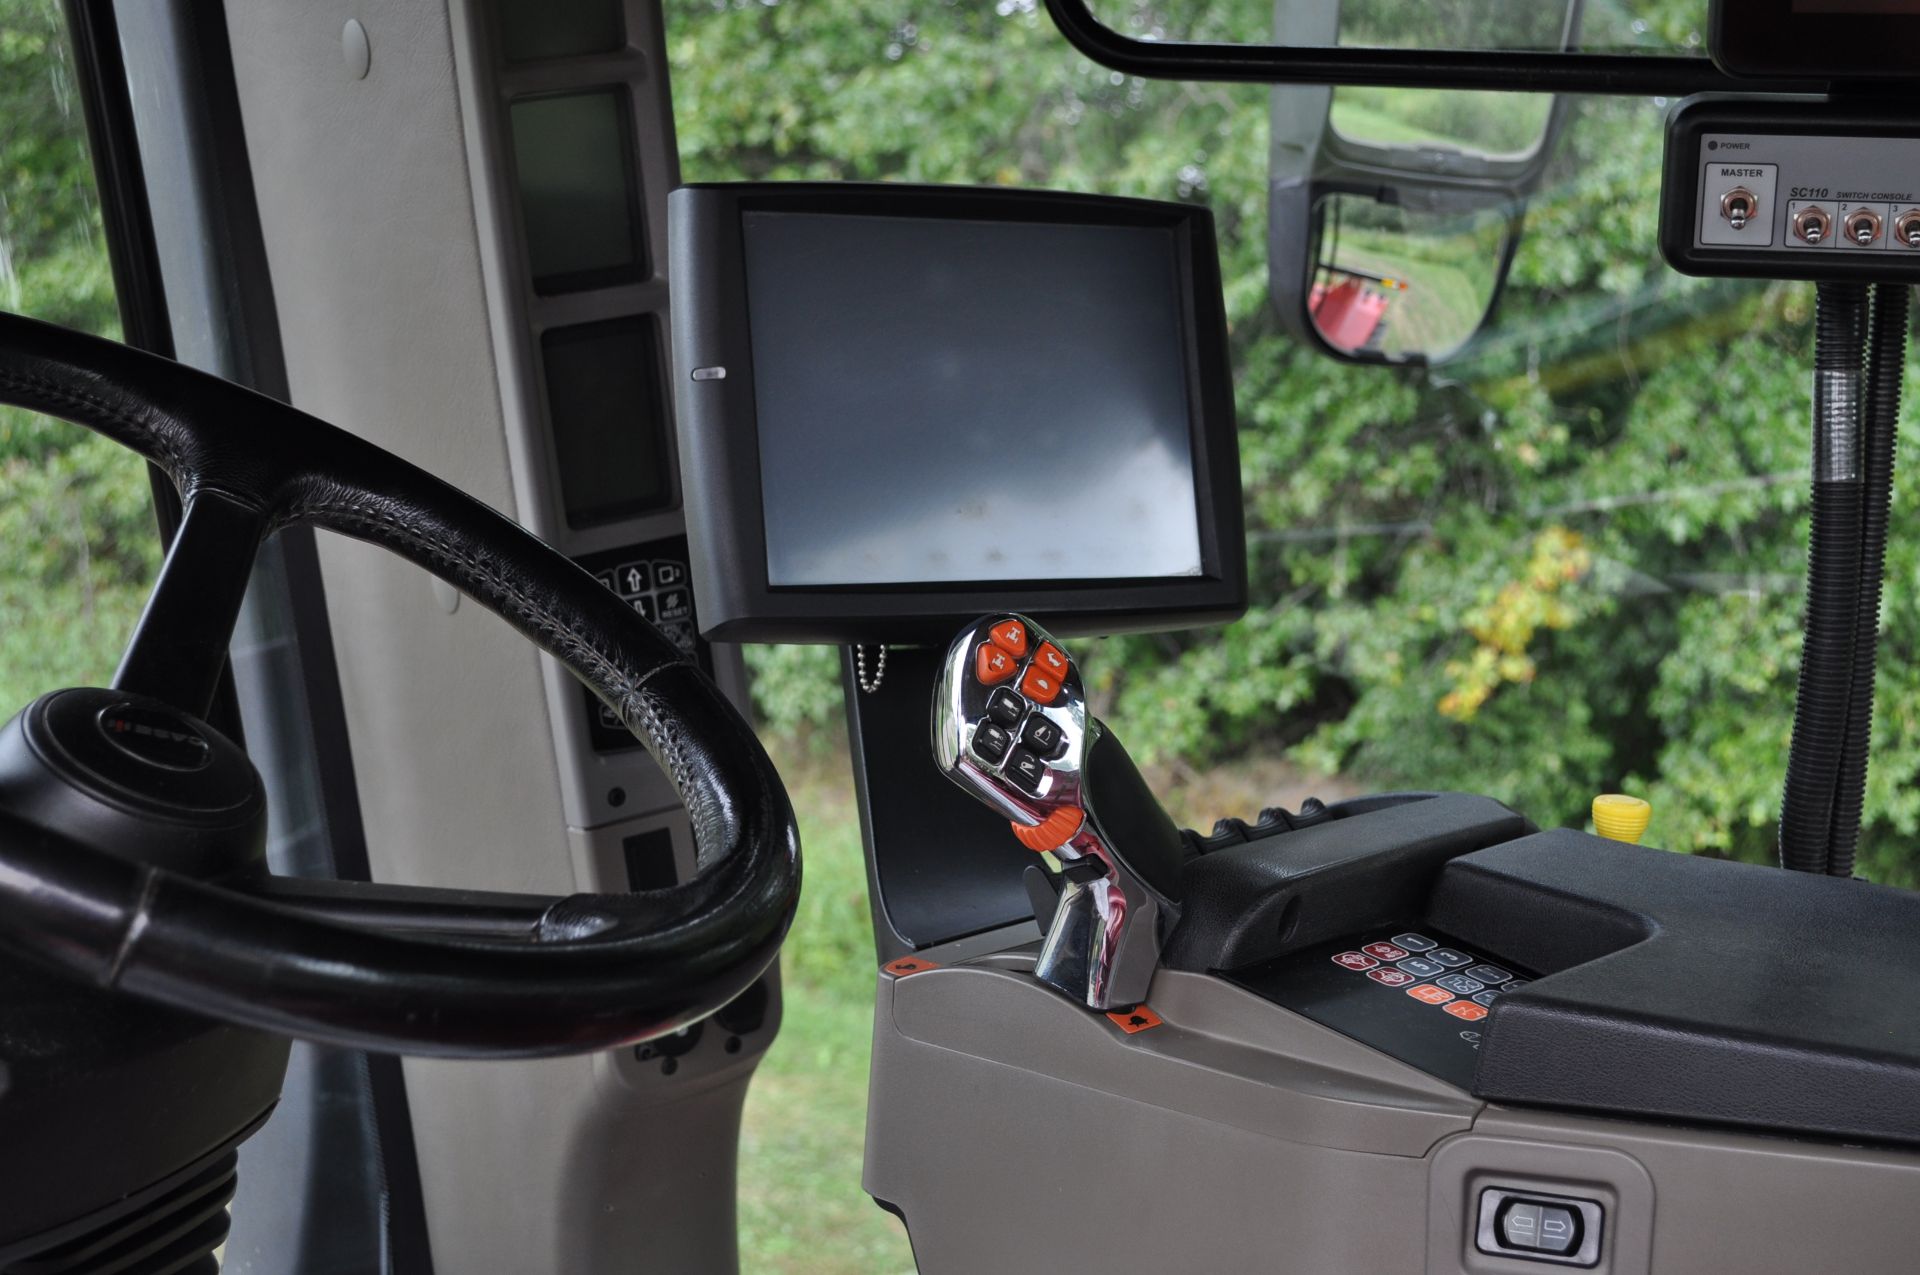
135 777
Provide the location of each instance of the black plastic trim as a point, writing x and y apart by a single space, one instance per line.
1526 71
1683 988
941 865
1750 38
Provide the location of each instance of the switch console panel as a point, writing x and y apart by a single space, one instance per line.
1792 191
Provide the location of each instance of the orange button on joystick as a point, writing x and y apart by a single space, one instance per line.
1010 636
993 665
1039 685
1052 659
1052 832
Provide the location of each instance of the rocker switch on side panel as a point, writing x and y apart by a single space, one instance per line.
1529 1226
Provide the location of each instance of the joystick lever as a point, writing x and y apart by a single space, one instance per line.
1010 725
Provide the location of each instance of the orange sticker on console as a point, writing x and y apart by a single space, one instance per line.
1137 1019
908 965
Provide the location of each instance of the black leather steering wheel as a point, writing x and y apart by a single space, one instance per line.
392 968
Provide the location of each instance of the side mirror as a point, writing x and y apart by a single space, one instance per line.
1393 214
1395 283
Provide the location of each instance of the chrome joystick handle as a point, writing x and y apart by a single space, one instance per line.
1010 725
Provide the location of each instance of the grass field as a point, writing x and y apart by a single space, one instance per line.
802 1211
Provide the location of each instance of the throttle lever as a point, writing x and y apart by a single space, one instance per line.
1010 725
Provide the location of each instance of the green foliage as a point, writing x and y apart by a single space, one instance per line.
1651 426
76 520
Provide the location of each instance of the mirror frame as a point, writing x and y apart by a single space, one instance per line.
1310 162
1529 71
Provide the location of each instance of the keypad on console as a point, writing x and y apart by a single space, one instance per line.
1462 985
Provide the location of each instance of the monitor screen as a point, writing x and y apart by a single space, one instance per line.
607 406
579 196
951 400
902 406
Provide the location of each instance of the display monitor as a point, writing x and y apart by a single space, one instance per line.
901 406
1816 39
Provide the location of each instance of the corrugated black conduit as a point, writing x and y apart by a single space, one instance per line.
1833 582
1880 420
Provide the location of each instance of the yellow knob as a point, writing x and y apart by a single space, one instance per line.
1618 817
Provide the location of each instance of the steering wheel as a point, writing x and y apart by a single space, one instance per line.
132 834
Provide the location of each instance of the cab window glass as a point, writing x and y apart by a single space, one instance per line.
78 546
1563 559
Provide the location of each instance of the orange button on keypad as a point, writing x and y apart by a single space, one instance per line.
1430 994
1052 659
1011 636
1467 1010
1039 685
992 665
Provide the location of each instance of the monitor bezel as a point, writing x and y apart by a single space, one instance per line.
720 449
1769 38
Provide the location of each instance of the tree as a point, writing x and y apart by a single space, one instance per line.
75 515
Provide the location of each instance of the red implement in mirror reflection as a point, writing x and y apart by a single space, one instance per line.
1351 315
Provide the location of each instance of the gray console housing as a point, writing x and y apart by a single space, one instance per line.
1014 1131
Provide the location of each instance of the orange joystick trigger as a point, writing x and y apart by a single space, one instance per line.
1052 832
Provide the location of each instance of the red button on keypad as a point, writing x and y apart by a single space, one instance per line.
1010 636
1386 951
1039 685
1392 978
1354 961
1052 659
991 664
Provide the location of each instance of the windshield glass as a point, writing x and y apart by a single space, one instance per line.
1565 562
1595 26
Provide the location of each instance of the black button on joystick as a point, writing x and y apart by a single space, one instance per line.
1006 707
1025 769
1044 737
991 741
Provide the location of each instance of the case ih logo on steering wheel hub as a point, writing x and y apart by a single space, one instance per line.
156 736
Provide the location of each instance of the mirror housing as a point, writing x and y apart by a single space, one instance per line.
1457 187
